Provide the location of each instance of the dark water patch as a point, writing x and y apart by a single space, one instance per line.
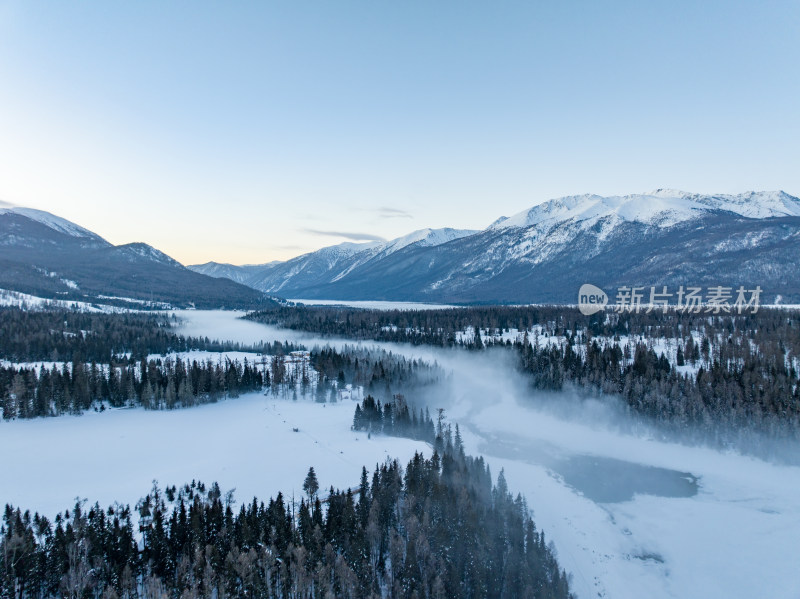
608 480
601 479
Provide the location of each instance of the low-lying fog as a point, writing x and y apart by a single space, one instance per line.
630 515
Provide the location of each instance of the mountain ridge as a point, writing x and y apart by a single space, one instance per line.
542 254
572 240
47 256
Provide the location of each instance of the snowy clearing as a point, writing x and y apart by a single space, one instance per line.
247 443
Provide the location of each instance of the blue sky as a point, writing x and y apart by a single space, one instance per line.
247 132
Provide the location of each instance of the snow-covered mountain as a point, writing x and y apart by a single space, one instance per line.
329 264
48 256
662 208
240 274
56 223
545 253
542 254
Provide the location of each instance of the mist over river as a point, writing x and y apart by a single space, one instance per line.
629 515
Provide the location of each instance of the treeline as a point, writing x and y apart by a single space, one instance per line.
157 384
440 530
731 401
428 327
446 327
395 418
66 336
169 383
742 376
381 373
419 327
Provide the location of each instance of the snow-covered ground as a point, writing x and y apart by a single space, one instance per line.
247 443
17 299
737 537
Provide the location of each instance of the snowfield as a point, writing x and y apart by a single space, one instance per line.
734 535
17 299
247 444
737 537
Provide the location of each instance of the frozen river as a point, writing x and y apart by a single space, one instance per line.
629 516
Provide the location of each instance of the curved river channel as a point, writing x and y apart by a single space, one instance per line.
630 516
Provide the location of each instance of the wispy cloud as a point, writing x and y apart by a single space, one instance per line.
288 247
387 212
350 236
4 204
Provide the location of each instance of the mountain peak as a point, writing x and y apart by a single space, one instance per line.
663 192
661 207
148 252
56 223
427 238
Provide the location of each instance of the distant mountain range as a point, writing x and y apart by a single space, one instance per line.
546 253
543 254
44 255
327 266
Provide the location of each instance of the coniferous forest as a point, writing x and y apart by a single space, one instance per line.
727 378
437 529
108 360
71 336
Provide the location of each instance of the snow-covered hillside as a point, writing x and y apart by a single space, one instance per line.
425 238
662 207
26 301
544 254
329 264
56 223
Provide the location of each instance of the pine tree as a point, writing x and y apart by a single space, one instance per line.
311 484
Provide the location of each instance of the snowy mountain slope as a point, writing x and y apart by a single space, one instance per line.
329 264
240 274
46 256
662 207
544 254
136 251
56 223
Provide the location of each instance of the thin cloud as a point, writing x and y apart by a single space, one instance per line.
350 236
288 247
386 212
4 204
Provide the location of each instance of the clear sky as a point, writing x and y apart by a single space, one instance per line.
247 132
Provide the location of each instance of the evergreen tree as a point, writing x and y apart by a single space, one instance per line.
311 485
